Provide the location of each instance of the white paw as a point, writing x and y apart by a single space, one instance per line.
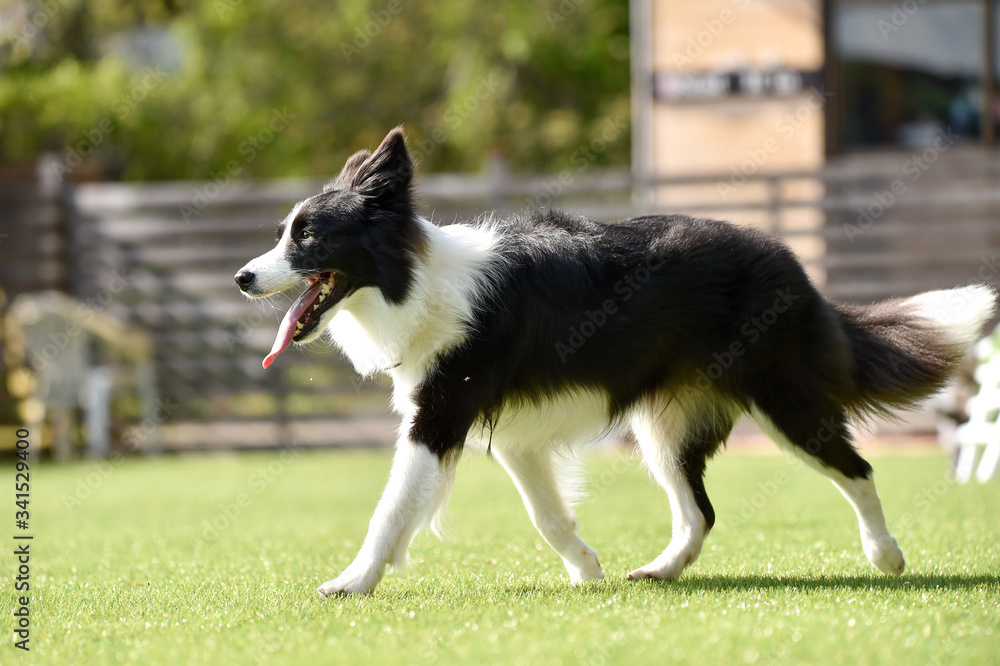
669 565
885 554
349 583
587 567
651 570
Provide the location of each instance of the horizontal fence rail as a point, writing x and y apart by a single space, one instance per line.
161 257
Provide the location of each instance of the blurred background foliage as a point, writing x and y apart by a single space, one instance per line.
167 89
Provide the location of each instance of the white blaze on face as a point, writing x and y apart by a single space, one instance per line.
274 272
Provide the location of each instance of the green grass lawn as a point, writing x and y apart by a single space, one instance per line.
148 568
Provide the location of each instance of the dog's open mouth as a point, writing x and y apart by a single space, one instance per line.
304 314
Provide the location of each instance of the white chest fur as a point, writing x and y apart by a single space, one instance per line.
406 338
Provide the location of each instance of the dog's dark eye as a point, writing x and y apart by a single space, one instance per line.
303 234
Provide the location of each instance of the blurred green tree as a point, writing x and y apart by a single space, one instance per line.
165 89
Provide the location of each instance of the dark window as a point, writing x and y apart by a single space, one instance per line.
909 69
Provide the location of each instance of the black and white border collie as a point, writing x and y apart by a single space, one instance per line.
527 335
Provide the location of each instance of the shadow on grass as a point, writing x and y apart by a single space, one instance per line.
746 582
724 584
453 593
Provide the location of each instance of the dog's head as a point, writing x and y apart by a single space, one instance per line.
360 232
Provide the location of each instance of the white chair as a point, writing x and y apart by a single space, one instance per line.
57 335
983 426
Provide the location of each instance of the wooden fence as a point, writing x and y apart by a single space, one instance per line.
162 256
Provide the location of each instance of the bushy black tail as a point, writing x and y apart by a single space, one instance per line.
906 349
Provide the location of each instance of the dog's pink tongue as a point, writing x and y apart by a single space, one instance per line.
287 328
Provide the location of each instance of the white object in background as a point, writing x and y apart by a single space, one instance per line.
983 427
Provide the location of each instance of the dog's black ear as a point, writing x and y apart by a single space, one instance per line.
389 170
350 170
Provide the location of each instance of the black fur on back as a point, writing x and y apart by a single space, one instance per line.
653 304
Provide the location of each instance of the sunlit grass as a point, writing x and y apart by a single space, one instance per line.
215 560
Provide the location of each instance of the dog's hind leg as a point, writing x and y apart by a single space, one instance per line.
676 435
535 475
820 436
418 485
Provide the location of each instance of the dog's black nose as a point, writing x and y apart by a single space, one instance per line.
244 279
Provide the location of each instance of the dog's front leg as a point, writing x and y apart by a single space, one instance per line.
416 482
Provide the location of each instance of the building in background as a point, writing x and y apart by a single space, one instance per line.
728 90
